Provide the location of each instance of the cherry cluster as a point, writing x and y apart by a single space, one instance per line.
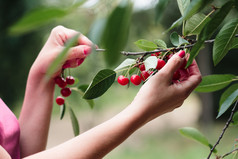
143 75
65 91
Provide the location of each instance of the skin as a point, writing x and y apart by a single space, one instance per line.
148 104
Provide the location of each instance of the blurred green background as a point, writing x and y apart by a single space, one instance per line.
17 53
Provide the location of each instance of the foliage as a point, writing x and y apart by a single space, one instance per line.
198 26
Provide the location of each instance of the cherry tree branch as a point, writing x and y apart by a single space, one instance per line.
126 53
227 154
224 129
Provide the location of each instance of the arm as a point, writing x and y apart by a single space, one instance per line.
4 154
37 106
148 104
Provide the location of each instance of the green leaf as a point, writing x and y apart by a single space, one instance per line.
159 9
177 40
74 122
224 39
100 84
235 119
175 24
62 111
183 5
227 103
160 43
213 83
146 45
60 58
234 44
115 34
83 89
194 134
126 63
36 19
150 62
227 93
195 24
209 30
194 7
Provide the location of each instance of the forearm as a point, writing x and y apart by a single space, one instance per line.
35 114
97 142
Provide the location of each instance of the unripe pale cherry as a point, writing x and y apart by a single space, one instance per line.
122 80
135 79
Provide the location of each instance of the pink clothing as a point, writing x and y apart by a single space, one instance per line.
9 131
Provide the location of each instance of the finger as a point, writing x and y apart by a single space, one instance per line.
62 35
172 66
193 80
73 63
79 52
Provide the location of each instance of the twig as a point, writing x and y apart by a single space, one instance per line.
224 129
126 53
227 154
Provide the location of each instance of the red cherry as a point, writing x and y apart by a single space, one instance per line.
176 75
70 80
142 67
122 80
160 64
144 75
135 79
156 54
61 82
65 92
59 100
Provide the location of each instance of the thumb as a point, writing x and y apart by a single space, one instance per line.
173 64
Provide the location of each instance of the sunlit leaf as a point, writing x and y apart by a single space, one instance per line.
183 5
59 59
126 63
177 40
227 103
160 8
36 19
195 24
194 7
62 111
228 92
224 39
160 43
100 84
115 34
150 62
209 30
74 122
212 83
196 135
146 45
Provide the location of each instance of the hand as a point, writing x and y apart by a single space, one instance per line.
160 94
55 44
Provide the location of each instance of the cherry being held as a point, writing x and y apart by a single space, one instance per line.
122 80
59 100
135 79
160 64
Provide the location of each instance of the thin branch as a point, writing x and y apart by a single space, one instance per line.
126 53
224 129
227 154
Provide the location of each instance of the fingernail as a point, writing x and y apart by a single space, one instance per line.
87 50
80 61
181 53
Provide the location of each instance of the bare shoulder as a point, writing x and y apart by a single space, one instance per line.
4 154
